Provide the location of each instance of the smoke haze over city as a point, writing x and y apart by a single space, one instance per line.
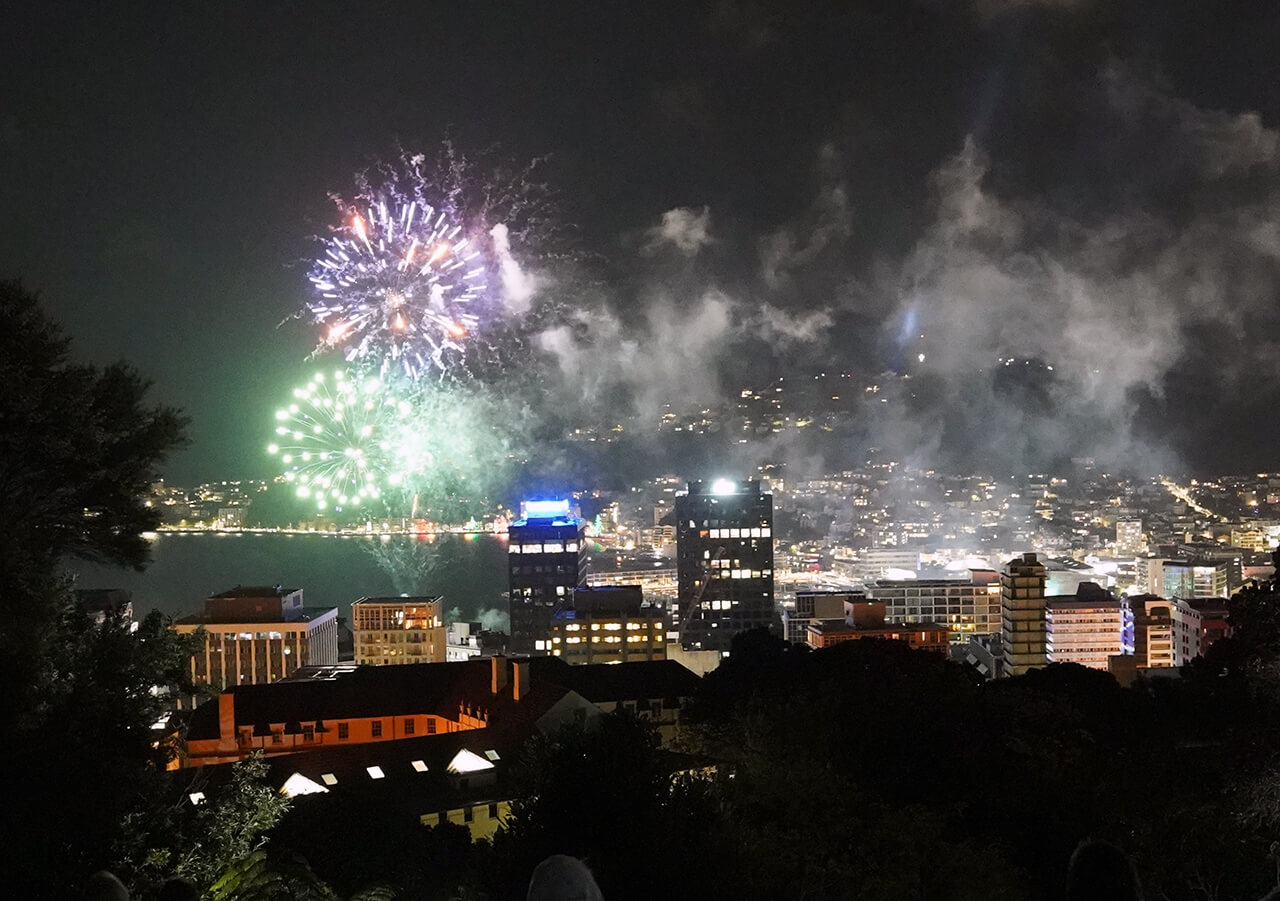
1012 233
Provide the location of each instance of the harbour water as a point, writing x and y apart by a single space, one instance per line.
333 570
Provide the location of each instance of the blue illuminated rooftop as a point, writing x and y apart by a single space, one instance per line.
546 513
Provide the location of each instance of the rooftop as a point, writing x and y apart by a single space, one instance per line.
255 591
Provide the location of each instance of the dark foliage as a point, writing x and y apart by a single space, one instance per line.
78 449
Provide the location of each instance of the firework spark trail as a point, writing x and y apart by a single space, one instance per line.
398 285
333 439
422 287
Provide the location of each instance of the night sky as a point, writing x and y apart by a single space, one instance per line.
1087 185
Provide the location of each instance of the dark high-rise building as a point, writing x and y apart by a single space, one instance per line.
724 554
547 560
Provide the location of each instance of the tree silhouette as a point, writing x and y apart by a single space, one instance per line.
79 446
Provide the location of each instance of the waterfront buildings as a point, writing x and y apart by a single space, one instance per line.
724 558
398 630
1022 609
547 562
258 634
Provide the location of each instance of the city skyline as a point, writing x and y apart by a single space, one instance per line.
1074 204
442 436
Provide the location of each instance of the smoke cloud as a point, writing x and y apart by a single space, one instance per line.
518 286
684 228
1013 333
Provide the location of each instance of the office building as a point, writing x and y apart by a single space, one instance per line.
1174 578
398 630
1148 638
724 561
866 619
1022 614
1129 542
885 562
608 625
547 562
1085 628
812 606
969 604
256 634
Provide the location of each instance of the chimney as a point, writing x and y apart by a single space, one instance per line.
498 667
226 720
520 685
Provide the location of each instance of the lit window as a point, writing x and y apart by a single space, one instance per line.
419 766
329 779
492 754
539 645
375 772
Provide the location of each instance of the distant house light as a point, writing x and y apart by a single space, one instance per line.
419 766
298 784
467 762
375 772
196 797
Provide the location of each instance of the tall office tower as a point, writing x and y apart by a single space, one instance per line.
546 561
398 630
724 563
1129 541
1022 614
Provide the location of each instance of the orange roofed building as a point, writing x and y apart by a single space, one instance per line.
866 619
347 705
